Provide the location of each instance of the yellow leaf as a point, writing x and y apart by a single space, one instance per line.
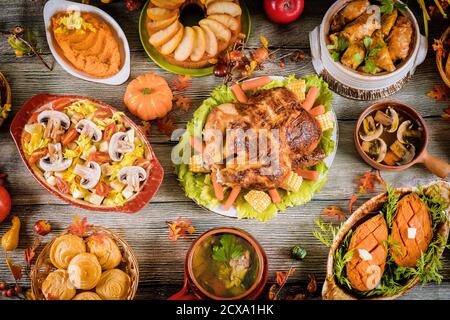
264 41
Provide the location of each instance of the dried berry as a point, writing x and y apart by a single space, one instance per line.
18 289
10 292
4 293
42 227
298 253
133 4
3 285
220 70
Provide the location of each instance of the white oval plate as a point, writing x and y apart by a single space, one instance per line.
232 213
54 6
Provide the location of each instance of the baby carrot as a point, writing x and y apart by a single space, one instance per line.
310 98
239 93
316 111
255 83
275 196
232 197
308 174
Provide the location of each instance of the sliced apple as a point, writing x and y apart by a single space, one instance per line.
167 4
227 20
223 7
173 43
199 45
221 32
159 14
155 26
186 45
163 36
211 41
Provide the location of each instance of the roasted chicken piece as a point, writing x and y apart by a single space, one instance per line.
363 26
400 39
261 158
353 56
350 12
366 267
382 57
388 21
411 231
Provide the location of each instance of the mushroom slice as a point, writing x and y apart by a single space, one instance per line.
54 121
90 174
406 132
54 160
120 144
88 128
132 176
371 133
388 119
406 152
376 149
393 115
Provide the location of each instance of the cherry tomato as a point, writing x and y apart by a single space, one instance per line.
99 157
37 155
283 11
69 136
109 131
60 104
103 113
102 189
144 163
62 185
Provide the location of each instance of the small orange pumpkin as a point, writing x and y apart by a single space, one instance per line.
148 97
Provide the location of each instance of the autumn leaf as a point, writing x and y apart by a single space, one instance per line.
182 102
283 276
98 237
145 127
31 251
368 182
440 93
264 41
180 228
182 82
352 202
333 211
79 228
165 125
16 270
312 284
438 46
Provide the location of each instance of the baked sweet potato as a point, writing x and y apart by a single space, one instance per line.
366 266
411 230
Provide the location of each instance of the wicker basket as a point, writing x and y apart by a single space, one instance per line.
440 60
5 95
129 263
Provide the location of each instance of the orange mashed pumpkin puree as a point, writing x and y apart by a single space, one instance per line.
87 42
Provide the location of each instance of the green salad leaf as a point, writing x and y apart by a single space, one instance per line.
198 186
227 250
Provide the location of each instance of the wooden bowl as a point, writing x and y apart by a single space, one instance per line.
192 290
44 266
440 60
6 90
331 289
134 204
437 166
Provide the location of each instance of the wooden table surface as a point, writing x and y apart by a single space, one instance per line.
161 261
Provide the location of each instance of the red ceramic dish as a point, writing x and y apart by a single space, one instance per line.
136 203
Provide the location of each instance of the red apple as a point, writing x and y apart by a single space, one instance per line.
283 11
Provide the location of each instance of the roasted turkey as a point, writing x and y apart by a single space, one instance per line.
284 137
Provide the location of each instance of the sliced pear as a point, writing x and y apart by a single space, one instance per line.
223 7
186 45
163 36
199 45
173 43
211 41
227 20
159 14
155 26
167 4
221 32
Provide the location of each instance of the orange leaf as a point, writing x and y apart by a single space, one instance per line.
16 270
180 228
31 251
440 93
79 228
182 102
351 203
438 46
165 125
98 237
283 276
145 127
333 211
182 82
368 182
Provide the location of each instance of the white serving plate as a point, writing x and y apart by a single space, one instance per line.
352 84
232 212
54 6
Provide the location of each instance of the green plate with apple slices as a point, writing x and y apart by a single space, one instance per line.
159 59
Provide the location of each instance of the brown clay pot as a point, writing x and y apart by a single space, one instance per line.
192 290
437 166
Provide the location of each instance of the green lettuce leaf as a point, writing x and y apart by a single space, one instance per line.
198 186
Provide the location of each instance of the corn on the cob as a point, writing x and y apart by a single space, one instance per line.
197 165
292 182
259 200
326 121
298 87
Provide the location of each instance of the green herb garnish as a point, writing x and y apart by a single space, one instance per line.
370 64
341 257
336 56
387 6
367 42
326 232
227 250
390 206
